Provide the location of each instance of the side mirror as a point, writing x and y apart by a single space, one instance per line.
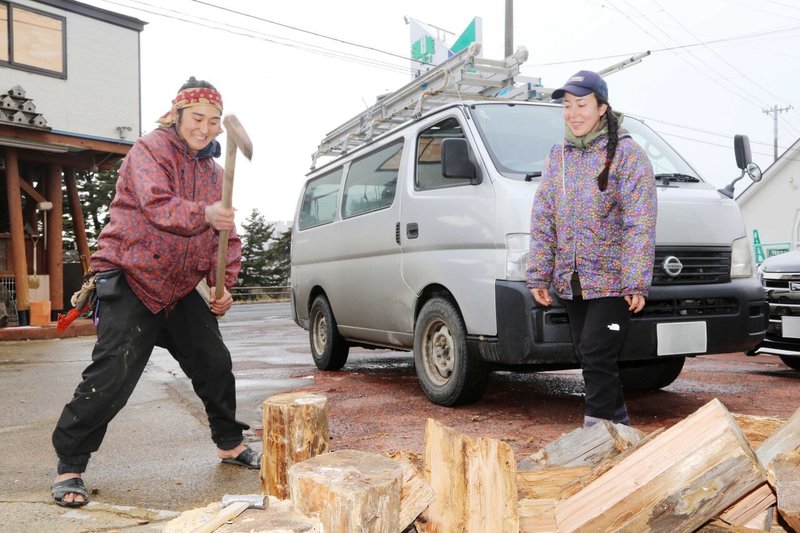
741 147
754 171
744 160
455 160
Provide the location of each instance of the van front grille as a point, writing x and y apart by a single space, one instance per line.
692 265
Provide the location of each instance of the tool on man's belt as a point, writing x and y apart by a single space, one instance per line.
232 506
82 301
237 137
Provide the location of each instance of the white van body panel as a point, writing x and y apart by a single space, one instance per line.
697 216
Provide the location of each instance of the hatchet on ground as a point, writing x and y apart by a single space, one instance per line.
237 138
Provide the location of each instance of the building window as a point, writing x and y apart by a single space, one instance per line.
32 40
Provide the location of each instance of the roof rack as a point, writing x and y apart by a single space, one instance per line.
464 76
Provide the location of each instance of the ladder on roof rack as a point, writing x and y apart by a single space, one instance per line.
461 77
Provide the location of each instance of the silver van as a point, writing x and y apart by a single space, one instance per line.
418 240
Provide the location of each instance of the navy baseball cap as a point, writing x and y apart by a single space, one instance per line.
582 83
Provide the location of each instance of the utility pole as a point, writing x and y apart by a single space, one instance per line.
509 27
774 112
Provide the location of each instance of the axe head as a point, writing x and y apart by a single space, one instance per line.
238 135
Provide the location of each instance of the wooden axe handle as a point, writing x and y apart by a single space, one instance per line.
227 194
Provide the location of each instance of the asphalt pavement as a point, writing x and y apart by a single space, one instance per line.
157 458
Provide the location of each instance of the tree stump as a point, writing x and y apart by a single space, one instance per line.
474 482
349 491
295 429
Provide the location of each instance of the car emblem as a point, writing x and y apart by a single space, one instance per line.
672 266
794 286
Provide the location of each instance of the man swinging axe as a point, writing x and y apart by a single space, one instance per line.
167 219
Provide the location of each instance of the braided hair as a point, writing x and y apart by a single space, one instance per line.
611 147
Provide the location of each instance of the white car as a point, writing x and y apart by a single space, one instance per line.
780 276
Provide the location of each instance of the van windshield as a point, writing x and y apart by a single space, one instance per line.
519 137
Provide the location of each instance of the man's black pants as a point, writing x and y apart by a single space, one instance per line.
598 330
126 333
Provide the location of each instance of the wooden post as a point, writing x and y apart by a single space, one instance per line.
785 440
750 507
473 481
295 429
758 428
677 481
786 469
77 218
586 446
416 494
537 516
54 245
349 491
19 259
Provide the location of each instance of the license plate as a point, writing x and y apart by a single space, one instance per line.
681 338
790 326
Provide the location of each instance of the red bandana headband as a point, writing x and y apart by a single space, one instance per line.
191 97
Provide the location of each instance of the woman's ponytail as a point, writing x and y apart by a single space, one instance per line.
611 148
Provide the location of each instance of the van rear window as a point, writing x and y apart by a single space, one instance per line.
319 200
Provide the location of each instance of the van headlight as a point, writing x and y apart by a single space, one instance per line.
741 258
517 246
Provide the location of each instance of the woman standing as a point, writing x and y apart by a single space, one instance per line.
593 227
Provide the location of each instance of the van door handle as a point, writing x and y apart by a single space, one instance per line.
412 230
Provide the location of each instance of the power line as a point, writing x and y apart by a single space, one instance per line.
246 32
683 47
742 74
316 34
698 130
727 88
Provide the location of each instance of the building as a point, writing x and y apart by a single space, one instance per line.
70 100
771 207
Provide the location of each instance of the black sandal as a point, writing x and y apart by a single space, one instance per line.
73 485
249 458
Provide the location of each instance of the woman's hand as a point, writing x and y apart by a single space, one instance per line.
220 306
542 296
218 217
635 302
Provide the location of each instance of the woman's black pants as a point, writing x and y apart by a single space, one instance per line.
598 330
126 333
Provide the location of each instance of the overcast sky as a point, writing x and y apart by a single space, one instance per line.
715 66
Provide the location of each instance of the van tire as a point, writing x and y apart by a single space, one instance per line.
446 372
328 347
790 361
650 375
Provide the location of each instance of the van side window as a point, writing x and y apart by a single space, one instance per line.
319 200
428 174
372 181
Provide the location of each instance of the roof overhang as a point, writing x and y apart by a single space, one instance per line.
62 148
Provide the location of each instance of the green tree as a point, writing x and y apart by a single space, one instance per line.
95 192
278 257
256 268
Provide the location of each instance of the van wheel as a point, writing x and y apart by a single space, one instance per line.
650 375
791 362
328 347
447 374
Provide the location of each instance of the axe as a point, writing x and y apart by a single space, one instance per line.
237 138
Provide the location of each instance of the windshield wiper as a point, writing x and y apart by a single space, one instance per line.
530 175
675 176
